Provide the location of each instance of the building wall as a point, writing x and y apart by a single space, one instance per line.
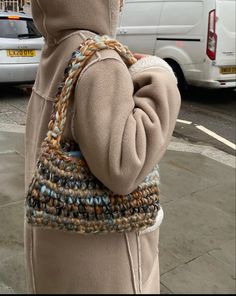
15 5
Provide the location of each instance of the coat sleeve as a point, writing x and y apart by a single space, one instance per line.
124 119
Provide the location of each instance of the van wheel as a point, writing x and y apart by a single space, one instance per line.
182 84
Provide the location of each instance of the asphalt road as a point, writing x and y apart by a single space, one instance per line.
215 110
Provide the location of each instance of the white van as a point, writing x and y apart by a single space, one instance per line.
197 37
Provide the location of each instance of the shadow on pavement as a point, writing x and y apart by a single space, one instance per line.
209 96
15 91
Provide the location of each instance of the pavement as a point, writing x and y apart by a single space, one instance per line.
197 237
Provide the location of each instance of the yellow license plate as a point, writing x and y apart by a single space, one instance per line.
228 70
21 52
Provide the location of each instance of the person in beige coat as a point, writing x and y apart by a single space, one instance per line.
123 119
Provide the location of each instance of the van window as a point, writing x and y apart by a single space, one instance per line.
179 13
146 14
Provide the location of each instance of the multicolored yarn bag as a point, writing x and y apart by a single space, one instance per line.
64 194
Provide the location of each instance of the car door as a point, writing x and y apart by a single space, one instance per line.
181 32
138 25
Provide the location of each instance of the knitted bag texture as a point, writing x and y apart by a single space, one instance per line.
64 194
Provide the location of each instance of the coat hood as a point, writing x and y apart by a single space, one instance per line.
56 19
65 24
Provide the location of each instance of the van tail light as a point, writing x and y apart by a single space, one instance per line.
212 37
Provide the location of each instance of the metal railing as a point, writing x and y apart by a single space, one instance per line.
15 5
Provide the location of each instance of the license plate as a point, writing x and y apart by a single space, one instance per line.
228 70
21 52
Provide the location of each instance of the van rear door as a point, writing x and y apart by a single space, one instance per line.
225 31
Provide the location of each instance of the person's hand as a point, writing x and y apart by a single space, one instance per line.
139 56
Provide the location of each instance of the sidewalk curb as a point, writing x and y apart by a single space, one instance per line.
208 151
12 128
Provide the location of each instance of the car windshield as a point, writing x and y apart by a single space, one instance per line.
18 28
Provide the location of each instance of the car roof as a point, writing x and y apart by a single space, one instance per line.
20 14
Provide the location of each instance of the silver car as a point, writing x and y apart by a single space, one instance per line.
20 48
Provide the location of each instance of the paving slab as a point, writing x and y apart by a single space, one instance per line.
5 109
15 117
5 118
6 251
12 268
164 290
204 275
221 196
12 273
199 211
12 178
226 255
189 230
179 179
185 173
12 142
20 104
5 289
11 221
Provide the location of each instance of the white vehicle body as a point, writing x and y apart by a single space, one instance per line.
197 37
20 48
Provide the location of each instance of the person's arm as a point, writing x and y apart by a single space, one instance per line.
124 123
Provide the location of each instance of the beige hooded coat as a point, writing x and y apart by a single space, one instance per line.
123 120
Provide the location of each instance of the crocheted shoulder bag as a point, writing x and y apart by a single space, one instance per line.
64 194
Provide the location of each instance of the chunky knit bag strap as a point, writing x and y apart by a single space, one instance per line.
78 61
